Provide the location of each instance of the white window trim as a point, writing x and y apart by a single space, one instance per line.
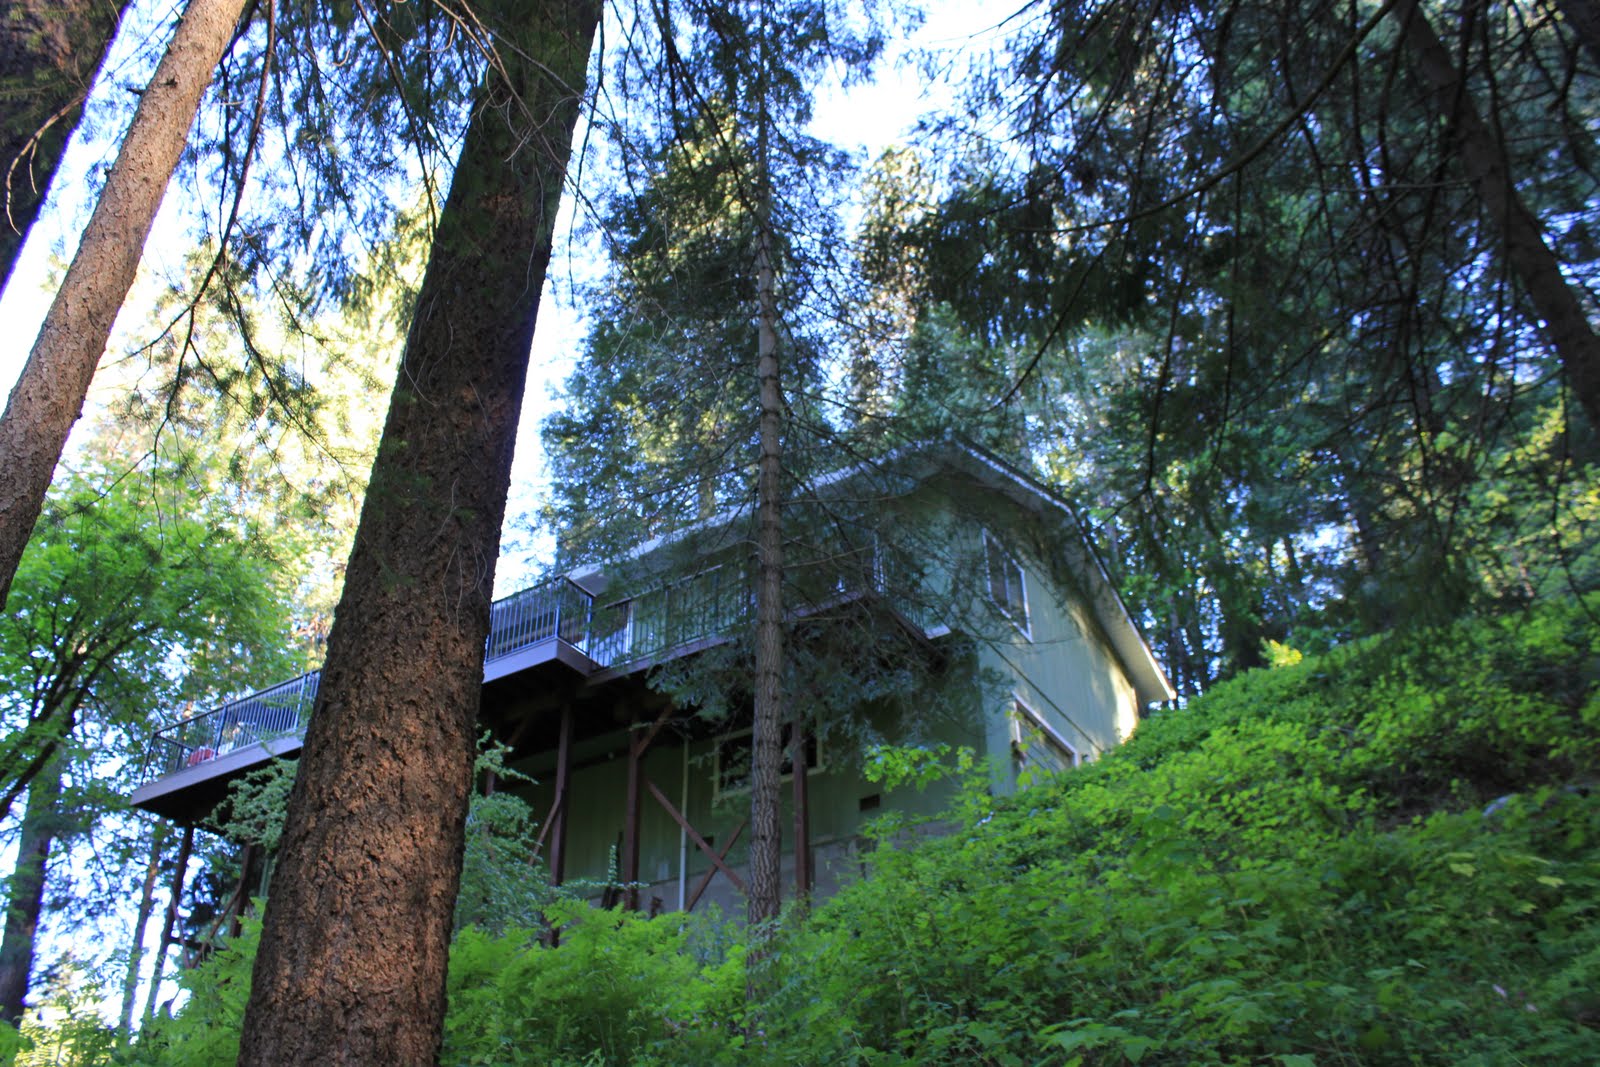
991 543
1021 710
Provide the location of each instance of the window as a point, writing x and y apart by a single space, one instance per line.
1036 749
1006 586
733 758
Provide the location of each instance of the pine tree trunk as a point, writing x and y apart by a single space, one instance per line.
766 756
26 898
351 968
49 51
49 395
1565 326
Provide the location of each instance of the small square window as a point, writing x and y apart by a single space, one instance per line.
1007 587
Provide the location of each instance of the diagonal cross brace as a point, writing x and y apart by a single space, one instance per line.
694 835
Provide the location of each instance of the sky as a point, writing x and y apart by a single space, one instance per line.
867 118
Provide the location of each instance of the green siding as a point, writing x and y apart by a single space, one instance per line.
1063 669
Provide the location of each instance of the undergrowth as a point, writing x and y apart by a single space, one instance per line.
1389 854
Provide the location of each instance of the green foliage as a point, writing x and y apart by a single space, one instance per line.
1148 256
619 989
1387 854
1302 864
205 1033
502 886
66 1027
257 803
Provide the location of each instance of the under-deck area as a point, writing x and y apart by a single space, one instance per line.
554 655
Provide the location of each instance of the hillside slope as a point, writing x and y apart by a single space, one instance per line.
1386 855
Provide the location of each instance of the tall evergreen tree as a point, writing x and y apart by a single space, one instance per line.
352 960
49 52
1249 294
50 392
715 319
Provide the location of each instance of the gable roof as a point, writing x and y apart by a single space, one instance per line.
1149 680
909 466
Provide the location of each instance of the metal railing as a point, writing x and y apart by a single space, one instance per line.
556 609
710 602
278 711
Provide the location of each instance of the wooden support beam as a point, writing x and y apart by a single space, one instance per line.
630 815
722 856
802 813
630 830
558 839
491 780
643 741
694 835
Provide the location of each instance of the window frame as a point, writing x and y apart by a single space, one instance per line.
995 553
1023 727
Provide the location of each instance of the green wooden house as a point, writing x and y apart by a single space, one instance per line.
619 688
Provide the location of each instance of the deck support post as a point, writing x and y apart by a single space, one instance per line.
630 832
802 814
558 809
637 747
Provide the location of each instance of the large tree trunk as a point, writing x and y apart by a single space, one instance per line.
1565 326
49 395
26 898
49 51
766 755
352 961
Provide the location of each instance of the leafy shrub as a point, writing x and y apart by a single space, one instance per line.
205 1033
619 989
1387 854
1295 869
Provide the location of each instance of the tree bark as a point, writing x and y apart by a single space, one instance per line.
1565 326
26 898
49 50
49 395
766 745
351 968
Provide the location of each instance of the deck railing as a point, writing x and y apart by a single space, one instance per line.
708 603
555 609
277 711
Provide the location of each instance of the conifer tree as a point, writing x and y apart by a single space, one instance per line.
352 960
49 395
49 53
713 324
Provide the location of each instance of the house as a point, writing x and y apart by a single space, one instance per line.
940 579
